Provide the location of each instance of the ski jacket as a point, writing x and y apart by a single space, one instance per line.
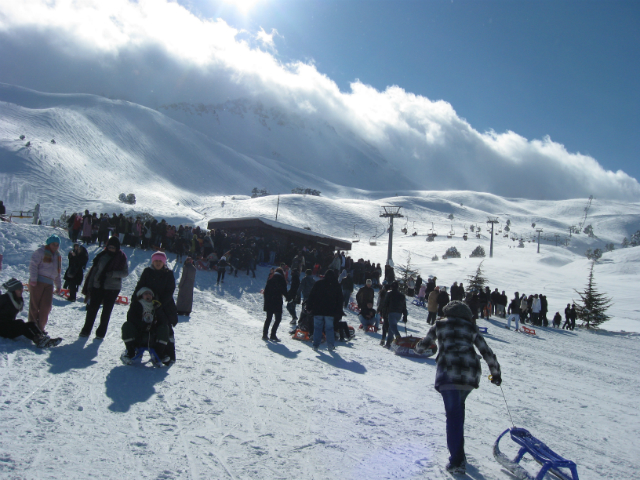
347 284
8 309
161 282
365 296
77 263
443 299
134 315
292 294
45 267
432 302
107 271
325 297
536 306
275 289
514 307
395 302
457 365
306 284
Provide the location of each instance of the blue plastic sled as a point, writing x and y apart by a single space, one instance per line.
550 461
155 359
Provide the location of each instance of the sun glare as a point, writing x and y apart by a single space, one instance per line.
243 5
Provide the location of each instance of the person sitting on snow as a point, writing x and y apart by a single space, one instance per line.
147 325
11 303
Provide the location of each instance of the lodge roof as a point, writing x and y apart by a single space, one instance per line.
279 227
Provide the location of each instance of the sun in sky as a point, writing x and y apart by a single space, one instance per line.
244 6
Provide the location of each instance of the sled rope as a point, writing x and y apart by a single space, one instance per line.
505 402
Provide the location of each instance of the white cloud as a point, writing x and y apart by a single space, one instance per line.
156 52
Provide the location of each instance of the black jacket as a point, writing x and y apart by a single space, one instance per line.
395 302
325 297
8 310
162 283
275 289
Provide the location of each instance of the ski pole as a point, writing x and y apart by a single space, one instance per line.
505 402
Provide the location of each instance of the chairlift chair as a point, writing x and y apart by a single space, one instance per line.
356 237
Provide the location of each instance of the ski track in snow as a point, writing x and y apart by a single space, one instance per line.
235 407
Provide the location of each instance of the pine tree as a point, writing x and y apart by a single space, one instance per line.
594 305
403 272
478 252
477 281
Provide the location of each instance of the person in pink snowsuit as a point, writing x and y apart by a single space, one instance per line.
44 276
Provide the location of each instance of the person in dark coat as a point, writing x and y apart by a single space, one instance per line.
458 371
275 289
73 276
443 299
185 287
567 317
325 304
102 286
160 280
557 320
347 289
11 303
147 325
292 295
395 305
574 317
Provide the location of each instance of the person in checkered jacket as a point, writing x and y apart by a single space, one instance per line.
458 371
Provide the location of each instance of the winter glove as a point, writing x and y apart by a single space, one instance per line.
496 379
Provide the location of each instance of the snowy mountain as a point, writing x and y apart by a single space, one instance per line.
235 407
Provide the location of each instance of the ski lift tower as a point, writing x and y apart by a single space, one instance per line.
391 212
539 230
492 221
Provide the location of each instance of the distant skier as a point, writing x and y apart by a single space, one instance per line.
458 372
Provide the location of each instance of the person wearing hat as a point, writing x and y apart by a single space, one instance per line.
160 280
458 371
147 325
11 303
44 276
103 285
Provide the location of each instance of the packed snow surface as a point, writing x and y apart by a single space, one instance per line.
233 406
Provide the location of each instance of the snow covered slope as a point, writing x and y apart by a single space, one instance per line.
234 407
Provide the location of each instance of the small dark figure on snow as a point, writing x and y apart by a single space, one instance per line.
185 287
78 258
557 320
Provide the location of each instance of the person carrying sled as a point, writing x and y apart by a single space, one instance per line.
11 303
73 276
325 304
147 326
160 280
102 286
458 371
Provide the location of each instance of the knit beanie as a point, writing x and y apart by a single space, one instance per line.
115 241
159 256
53 239
12 285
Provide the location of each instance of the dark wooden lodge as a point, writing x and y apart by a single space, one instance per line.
286 234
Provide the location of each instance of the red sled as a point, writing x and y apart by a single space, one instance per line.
353 306
528 330
304 336
64 292
405 347
122 300
370 328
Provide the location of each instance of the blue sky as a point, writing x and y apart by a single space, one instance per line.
542 92
567 69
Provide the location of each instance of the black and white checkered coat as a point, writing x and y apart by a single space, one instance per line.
458 365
